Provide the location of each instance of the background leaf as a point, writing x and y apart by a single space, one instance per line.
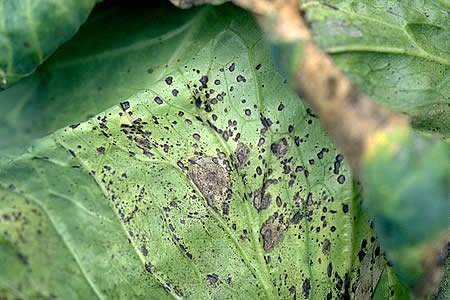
30 31
123 48
395 51
214 182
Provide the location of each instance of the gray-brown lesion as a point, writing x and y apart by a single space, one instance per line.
212 178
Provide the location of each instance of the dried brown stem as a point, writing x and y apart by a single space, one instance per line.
350 117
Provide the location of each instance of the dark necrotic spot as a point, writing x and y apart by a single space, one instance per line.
341 179
158 100
125 105
361 255
101 150
261 142
196 136
148 267
169 80
175 92
212 279
149 70
364 243
217 82
330 269
296 218
258 67
204 81
23 259
232 67
240 78
198 102
329 296
144 251
377 251
306 288
345 208
333 229
248 112
280 107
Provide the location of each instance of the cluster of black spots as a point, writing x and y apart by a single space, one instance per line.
204 81
280 148
321 153
306 287
337 163
266 122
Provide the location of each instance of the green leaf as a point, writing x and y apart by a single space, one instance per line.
395 51
30 31
215 182
106 62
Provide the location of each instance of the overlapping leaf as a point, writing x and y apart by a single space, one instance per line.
395 51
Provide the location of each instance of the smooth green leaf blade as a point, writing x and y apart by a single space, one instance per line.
216 182
30 31
395 51
107 61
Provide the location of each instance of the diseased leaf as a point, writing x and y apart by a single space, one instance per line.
395 51
107 61
30 31
215 182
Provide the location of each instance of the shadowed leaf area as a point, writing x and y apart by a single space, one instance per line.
30 31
